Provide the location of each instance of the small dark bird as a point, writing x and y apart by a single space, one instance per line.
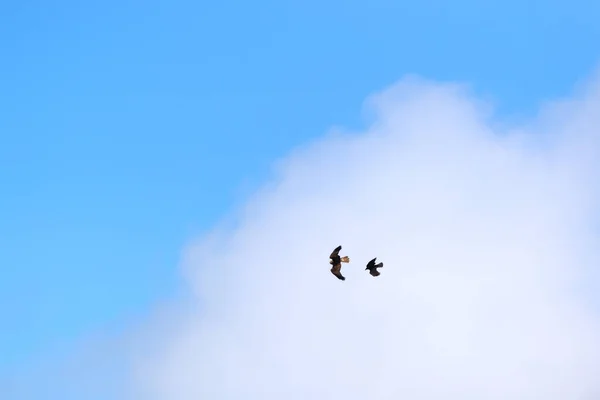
372 267
336 262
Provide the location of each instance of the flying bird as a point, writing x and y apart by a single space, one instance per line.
372 267
336 262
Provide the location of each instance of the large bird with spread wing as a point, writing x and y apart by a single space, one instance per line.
336 263
372 267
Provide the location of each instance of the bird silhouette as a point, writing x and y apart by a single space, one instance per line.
336 262
372 267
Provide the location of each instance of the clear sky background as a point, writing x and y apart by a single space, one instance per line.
128 127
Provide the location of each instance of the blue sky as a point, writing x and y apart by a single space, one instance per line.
128 128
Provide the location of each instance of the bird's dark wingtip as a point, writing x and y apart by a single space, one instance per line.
371 263
335 251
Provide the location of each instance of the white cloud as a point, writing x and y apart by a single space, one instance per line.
487 238
490 243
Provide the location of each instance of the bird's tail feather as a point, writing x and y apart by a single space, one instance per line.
345 259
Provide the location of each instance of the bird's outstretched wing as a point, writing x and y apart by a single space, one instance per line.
335 252
336 270
371 264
